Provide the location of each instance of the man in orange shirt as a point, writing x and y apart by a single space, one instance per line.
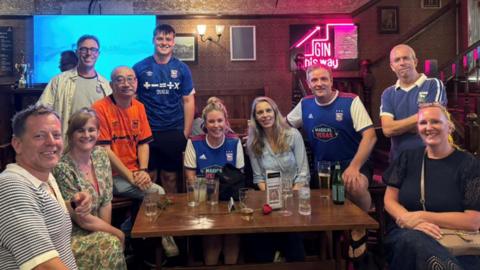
125 133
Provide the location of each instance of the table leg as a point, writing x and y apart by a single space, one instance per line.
190 258
326 245
158 253
337 249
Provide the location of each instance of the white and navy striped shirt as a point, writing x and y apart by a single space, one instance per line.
34 225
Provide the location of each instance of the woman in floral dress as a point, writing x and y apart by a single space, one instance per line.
96 244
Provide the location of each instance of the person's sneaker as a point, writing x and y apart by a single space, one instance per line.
171 249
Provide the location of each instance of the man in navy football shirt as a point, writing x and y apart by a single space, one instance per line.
339 129
165 87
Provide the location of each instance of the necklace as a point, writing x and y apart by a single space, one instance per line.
86 169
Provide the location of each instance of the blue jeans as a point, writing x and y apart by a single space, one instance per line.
123 188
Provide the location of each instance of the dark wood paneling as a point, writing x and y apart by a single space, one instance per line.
237 101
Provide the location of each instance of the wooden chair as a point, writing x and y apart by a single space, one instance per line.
121 202
239 126
377 191
120 210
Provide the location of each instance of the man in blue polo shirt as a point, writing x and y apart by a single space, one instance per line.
165 87
400 101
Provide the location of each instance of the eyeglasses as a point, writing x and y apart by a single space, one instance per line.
122 80
84 50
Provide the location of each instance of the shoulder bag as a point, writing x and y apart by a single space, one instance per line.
458 242
231 180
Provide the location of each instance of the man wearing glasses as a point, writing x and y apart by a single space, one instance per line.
125 133
78 87
398 111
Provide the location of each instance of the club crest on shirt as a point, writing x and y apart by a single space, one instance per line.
229 155
324 133
422 97
339 116
173 73
135 124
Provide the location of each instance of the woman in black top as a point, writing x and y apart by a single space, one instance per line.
452 197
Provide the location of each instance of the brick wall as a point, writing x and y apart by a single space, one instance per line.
214 69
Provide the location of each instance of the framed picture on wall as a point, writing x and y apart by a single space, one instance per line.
186 47
431 3
387 20
242 43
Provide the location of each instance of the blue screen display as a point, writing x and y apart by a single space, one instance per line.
124 40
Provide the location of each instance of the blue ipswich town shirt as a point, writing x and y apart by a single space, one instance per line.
161 88
210 161
330 128
401 103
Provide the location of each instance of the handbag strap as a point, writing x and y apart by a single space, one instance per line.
458 233
422 183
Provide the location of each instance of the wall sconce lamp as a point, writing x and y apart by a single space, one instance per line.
202 29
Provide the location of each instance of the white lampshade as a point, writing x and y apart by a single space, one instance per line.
219 29
201 29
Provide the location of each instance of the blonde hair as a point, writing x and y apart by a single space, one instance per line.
256 134
215 104
76 122
447 115
312 68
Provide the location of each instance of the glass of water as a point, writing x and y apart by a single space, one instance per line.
192 192
212 190
287 196
150 203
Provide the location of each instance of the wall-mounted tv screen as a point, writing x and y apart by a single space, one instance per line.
124 40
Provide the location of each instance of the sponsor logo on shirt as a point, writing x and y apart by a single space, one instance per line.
174 73
146 85
324 133
203 157
132 140
211 172
163 88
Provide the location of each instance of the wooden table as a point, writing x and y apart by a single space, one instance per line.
181 220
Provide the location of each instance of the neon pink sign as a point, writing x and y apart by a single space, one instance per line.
320 50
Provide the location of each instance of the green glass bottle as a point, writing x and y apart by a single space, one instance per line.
338 187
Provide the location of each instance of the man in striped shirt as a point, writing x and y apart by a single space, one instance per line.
35 224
